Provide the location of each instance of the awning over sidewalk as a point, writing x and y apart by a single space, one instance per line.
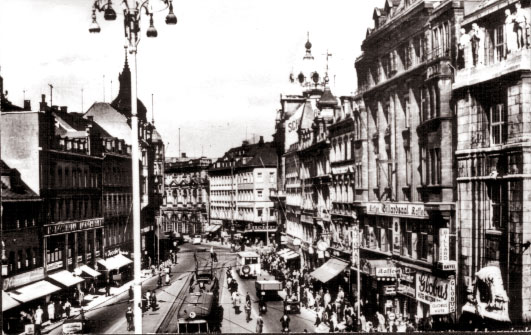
8 302
212 228
329 270
89 271
66 278
290 255
33 291
114 262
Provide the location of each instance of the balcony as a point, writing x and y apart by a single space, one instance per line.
277 195
519 60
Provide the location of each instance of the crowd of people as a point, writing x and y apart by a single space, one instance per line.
333 310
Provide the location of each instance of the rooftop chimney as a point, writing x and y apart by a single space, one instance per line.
90 118
183 155
64 109
245 142
43 105
27 105
261 141
55 108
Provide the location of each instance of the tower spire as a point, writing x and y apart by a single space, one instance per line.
308 47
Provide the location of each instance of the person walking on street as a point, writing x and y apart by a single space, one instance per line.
153 301
108 288
259 325
284 322
131 293
248 310
167 278
92 289
81 297
51 311
59 309
129 318
67 308
38 320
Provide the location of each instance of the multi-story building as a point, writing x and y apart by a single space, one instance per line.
240 184
404 150
62 165
115 118
492 92
185 209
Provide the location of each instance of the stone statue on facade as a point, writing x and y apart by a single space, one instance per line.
478 44
522 26
510 32
464 48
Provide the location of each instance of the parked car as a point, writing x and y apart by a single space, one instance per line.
196 239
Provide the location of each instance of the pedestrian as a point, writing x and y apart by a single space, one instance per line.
340 294
167 278
153 301
81 297
51 311
67 308
236 302
327 298
247 298
108 288
284 322
92 289
381 322
259 325
129 318
131 293
248 310
58 309
38 320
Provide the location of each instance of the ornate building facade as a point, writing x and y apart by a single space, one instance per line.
492 92
185 207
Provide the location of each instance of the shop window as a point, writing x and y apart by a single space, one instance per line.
406 237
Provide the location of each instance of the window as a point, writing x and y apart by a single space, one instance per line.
408 166
259 212
498 202
271 177
359 175
271 212
498 44
434 166
498 127
259 176
406 237
259 193
407 110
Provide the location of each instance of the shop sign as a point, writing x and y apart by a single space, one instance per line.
66 227
97 253
444 244
54 265
431 289
325 217
396 236
88 256
340 170
112 252
386 272
307 218
69 261
452 303
355 238
447 266
389 290
405 289
400 210
25 278
439 308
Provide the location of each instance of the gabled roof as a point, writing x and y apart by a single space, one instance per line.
13 187
112 121
74 125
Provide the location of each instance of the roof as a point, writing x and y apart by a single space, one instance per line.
250 155
308 115
328 99
13 187
112 121
122 102
75 124
198 304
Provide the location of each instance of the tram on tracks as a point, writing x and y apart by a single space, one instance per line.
200 311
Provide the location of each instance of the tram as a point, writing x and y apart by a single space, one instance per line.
198 314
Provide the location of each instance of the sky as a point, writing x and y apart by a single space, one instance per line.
217 75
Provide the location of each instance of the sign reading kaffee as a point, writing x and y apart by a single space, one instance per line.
386 272
396 209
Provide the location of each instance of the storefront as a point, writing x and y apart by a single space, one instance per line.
116 267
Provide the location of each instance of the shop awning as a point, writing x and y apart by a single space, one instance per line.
115 262
290 255
65 278
34 291
89 271
212 228
8 302
329 270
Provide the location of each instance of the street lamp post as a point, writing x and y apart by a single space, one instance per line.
132 14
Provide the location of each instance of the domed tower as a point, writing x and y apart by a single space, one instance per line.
122 103
308 76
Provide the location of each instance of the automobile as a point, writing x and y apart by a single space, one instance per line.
196 239
248 264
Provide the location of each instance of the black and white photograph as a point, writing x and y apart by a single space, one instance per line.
251 166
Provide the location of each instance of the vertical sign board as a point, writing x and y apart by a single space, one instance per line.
355 245
396 235
451 294
444 244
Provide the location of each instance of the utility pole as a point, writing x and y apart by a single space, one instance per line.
179 144
232 199
82 110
